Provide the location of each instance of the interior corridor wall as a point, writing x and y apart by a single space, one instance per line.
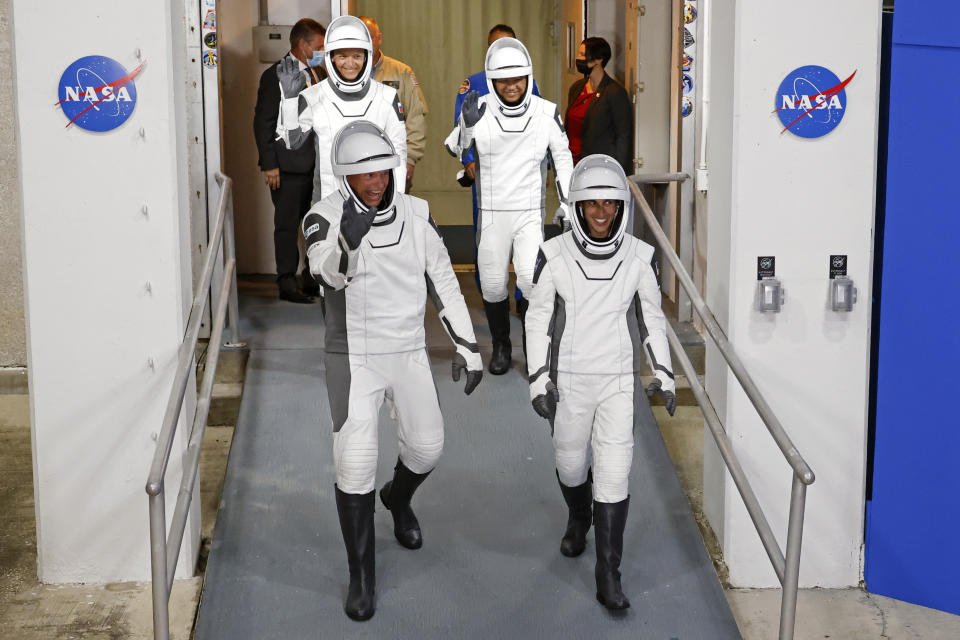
107 280
773 193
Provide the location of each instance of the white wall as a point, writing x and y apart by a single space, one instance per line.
89 252
799 200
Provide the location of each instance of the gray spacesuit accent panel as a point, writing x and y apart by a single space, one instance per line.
398 108
539 265
657 366
634 329
432 293
478 187
392 244
337 373
557 324
539 372
544 164
315 229
335 321
301 105
472 346
556 118
449 150
362 116
525 124
612 275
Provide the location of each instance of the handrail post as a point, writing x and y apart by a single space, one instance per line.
158 567
230 253
791 574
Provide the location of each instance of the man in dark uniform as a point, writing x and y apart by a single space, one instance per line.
288 173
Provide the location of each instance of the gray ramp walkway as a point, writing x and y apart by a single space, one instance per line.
492 518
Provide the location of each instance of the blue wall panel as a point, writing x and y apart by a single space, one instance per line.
913 518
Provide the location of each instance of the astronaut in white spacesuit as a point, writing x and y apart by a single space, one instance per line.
594 314
348 93
378 255
512 133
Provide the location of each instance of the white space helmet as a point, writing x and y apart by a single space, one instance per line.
599 177
508 58
363 147
348 32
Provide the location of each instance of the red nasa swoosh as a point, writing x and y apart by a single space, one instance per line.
116 84
826 94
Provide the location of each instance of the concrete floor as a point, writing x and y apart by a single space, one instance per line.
33 611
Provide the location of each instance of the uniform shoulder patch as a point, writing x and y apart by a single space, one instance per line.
398 108
464 86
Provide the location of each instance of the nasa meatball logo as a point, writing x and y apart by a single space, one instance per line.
97 93
811 101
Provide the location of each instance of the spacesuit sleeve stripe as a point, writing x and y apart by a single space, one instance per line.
301 104
432 292
656 365
556 118
542 370
540 264
644 334
472 346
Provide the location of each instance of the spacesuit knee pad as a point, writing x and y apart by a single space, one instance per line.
355 462
421 455
573 463
493 286
611 475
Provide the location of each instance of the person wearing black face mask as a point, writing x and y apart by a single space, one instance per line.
599 117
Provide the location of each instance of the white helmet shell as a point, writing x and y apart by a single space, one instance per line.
508 58
599 177
348 32
362 147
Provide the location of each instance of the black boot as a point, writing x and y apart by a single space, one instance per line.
522 305
498 319
608 521
579 500
396 496
289 292
356 524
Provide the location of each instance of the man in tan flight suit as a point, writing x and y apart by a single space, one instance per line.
400 76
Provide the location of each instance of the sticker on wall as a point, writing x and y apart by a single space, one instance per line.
766 267
686 106
210 20
210 59
687 38
687 83
838 265
210 39
687 62
811 101
689 13
97 93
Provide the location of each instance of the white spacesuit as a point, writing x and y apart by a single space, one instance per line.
328 105
594 314
511 142
378 263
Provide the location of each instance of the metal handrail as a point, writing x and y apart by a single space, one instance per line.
787 567
165 550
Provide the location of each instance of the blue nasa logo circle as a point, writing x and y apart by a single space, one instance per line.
97 93
811 101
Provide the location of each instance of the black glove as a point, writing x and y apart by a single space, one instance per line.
354 224
472 110
473 376
292 81
669 399
546 404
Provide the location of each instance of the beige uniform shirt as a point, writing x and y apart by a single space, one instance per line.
396 74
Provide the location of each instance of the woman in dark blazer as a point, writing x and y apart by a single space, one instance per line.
599 117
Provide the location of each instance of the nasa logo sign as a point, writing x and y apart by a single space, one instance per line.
811 101
97 93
